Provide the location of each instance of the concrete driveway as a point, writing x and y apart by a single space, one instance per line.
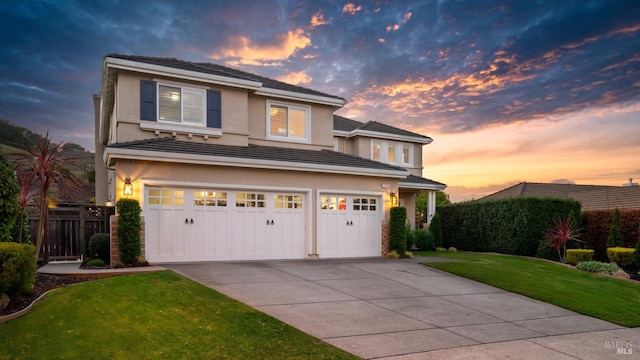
400 309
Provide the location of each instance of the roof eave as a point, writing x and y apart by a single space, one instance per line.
111 154
181 73
415 186
296 96
383 135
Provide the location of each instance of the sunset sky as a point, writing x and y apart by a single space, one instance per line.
510 91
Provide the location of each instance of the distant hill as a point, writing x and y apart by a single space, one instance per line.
13 138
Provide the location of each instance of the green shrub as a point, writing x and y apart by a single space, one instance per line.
638 246
408 255
17 267
597 266
129 230
436 229
393 255
96 262
9 208
621 256
510 226
424 240
597 223
100 247
452 249
411 241
441 249
615 234
574 256
397 232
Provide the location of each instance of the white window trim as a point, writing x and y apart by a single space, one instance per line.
307 127
384 152
201 89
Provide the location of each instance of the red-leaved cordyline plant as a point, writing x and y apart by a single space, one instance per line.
26 181
562 231
47 164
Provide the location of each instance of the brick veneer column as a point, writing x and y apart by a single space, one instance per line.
385 238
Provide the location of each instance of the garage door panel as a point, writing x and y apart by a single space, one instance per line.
349 226
227 225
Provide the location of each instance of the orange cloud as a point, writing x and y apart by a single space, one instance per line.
318 19
296 78
393 27
351 9
407 17
248 52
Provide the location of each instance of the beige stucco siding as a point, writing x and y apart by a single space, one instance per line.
321 129
235 126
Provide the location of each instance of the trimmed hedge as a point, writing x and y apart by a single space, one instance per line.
574 256
397 232
621 256
129 230
17 267
100 247
596 225
510 226
424 240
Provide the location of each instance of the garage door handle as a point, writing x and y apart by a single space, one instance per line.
269 222
186 221
191 222
349 223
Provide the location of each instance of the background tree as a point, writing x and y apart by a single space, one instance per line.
421 203
9 190
49 164
615 234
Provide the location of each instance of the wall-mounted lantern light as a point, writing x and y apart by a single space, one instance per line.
394 199
128 187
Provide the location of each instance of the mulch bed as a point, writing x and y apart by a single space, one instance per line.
44 283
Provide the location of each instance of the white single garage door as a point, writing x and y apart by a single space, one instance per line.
349 226
219 224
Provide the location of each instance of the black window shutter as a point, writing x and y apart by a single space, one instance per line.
148 100
214 109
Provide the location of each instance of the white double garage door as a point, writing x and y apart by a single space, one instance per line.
187 224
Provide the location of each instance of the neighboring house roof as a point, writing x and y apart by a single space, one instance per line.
624 197
215 69
592 197
349 127
543 189
417 182
255 156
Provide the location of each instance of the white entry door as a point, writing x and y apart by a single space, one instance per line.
349 226
217 224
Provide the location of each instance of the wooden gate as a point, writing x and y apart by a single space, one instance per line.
70 229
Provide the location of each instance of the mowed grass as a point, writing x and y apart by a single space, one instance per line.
609 299
152 315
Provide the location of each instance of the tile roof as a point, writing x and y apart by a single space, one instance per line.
256 152
412 179
623 197
215 69
543 189
341 123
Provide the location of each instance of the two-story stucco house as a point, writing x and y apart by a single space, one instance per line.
229 165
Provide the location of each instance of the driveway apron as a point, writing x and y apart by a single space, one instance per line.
400 309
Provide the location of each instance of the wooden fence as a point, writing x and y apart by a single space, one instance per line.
70 229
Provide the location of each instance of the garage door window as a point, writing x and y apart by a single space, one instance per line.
336 203
283 201
364 204
250 200
166 197
210 198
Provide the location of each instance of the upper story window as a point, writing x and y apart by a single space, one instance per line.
392 153
174 104
287 122
181 105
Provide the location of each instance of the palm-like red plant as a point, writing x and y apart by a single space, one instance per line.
562 231
47 166
26 181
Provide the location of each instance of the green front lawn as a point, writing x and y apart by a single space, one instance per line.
153 315
609 299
